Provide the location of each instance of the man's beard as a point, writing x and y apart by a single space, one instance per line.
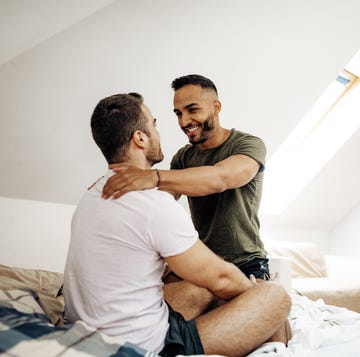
206 127
154 154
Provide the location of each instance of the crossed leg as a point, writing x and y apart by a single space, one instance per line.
189 300
235 327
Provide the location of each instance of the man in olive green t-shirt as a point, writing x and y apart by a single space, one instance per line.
227 222
221 172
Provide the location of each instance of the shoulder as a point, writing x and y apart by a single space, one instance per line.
164 207
170 227
246 141
156 209
159 196
152 197
243 138
160 203
247 144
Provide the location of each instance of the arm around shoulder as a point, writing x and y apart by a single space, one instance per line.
232 172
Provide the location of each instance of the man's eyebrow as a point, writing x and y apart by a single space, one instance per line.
186 107
190 105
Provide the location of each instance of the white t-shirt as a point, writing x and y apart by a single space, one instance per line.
115 262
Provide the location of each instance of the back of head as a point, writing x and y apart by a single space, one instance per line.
195 79
113 123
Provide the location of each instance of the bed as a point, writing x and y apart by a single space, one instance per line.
32 324
32 321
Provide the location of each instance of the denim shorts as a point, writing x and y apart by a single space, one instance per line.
259 267
182 337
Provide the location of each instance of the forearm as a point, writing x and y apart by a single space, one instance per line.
197 181
230 283
235 171
200 266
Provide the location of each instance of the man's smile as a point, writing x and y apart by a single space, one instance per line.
191 129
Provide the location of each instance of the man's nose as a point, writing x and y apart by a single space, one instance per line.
184 120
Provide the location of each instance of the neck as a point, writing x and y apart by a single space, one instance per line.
134 161
216 137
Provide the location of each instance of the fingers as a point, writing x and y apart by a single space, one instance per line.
116 195
126 179
108 189
117 186
275 277
113 185
253 279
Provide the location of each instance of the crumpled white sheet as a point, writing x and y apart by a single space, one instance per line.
314 325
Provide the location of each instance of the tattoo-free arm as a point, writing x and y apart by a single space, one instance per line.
200 266
234 171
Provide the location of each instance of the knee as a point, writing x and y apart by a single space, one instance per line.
279 297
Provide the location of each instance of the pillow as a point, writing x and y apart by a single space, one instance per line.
39 280
342 292
307 260
45 285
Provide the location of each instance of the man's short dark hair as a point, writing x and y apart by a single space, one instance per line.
195 79
114 122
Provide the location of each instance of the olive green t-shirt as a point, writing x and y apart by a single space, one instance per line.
228 222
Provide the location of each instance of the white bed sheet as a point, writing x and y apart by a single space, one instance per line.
319 330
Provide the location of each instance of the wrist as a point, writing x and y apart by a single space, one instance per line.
157 177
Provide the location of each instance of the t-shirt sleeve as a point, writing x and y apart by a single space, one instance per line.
251 146
172 229
175 164
178 160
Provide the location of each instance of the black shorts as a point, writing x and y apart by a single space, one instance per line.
182 337
259 267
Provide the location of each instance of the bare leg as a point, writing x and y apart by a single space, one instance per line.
189 300
284 332
245 322
192 301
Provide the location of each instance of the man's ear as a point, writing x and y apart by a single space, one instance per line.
140 139
217 105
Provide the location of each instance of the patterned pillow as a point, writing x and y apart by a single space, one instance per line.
46 288
44 281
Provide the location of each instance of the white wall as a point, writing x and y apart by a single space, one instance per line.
344 239
34 234
269 232
261 54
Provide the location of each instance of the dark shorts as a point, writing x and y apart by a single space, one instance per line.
259 267
182 337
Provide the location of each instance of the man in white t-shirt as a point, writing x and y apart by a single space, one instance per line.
119 250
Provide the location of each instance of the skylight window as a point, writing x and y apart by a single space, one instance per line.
328 125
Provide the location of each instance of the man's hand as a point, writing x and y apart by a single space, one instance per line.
129 178
234 171
273 277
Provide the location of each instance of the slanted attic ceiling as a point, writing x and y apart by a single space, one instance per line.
270 61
